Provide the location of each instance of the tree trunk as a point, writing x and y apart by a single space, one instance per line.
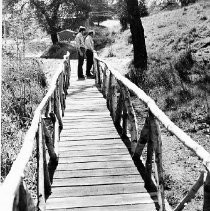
54 38
137 31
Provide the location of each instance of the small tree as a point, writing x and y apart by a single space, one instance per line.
139 46
51 14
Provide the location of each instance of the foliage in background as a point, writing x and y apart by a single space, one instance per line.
58 50
123 13
187 2
23 87
100 11
101 38
51 14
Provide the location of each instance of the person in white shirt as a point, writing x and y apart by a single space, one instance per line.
89 44
80 44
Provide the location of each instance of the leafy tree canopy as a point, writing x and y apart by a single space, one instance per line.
100 10
51 14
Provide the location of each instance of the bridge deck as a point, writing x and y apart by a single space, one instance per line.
95 171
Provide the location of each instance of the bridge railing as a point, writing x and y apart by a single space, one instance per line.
116 89
13 192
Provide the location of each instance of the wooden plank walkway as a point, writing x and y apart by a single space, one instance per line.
95 171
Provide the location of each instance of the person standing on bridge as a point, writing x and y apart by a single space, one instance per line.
80 44
89 44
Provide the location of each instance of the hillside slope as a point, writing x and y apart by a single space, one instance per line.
167 33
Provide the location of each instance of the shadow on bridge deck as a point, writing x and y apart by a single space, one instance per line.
95 169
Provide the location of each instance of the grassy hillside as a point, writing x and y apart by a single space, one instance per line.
178 78
178 46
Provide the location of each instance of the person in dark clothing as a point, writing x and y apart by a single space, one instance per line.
80 43
89 44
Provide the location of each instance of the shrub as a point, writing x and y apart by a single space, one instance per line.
170 103
58 50
36 46
143 9
183 65
101 42
23 87
111 53
162 75
187 2
102 38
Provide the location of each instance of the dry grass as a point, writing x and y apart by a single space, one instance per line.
23 87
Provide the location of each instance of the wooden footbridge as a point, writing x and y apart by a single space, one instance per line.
95 170
89 149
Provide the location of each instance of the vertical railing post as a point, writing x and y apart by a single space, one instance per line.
144 138
133 129
125 120
40 186
47 183
57 109
104 83
53 161
119 109
150 150
23 200
56 135
113 96
47 109
110 93
60 91
68 72
98 75
206 204
156 139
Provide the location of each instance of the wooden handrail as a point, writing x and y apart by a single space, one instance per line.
123 113
160 115
13 180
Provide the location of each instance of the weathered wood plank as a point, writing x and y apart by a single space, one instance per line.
88 114
59 192
91 142
92 134
73 125
126 207
91 130
109 158
96 147
96 173
93 137
66 138
82 120
82 125
91 152
104 200
94 165
81 181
